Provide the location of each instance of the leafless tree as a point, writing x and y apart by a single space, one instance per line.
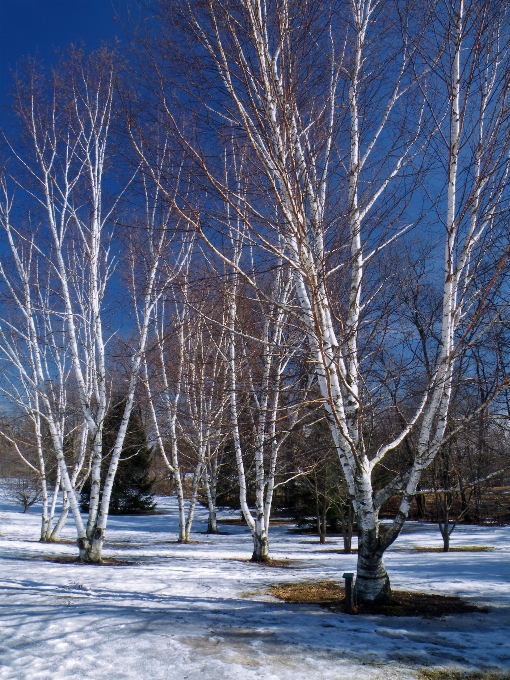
352 115
63 173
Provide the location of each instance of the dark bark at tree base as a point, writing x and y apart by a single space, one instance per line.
372 580
260 558
260 549
91 558
373 589
445 534
347 529
212 521
91 550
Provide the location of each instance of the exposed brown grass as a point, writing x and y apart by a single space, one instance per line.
331 595
283 564
444 674
456 548
324 593
72 559
240 521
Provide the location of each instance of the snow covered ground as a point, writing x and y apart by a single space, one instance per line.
192 612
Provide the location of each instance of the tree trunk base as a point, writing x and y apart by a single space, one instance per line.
261 559
372 580
260 549
91 551
373 591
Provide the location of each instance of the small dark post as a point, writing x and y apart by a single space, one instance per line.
349 577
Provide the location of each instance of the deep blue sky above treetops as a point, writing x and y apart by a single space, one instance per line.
42 27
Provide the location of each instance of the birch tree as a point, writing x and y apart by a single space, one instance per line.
259 350
339 106
202 416
37 365
163 392
163 364
69 127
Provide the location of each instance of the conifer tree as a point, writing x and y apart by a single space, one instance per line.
132 488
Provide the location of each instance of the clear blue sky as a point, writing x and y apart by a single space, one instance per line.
39 27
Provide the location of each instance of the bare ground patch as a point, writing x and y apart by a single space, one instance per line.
72 559
331 595
456 548
444 674
324 593
282 564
